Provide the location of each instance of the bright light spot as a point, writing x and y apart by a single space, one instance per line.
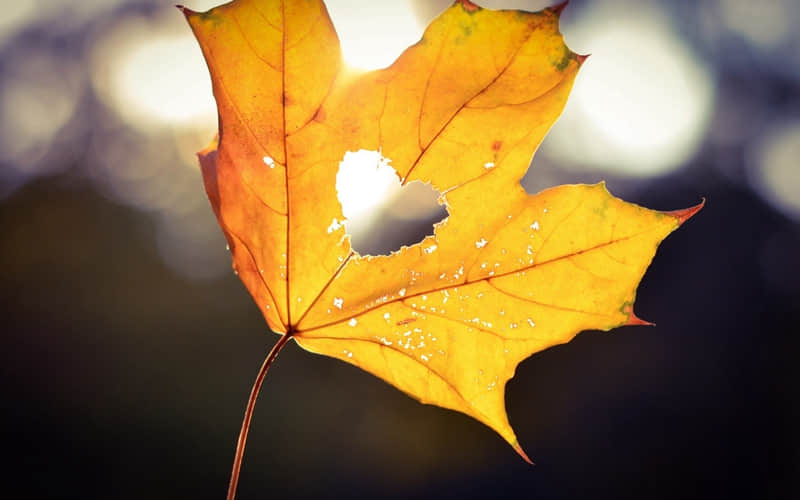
774 168
39 96
765 24
15 16
373 34
367 186
642 101
152 74
363 182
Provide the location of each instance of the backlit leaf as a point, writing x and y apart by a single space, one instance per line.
507 274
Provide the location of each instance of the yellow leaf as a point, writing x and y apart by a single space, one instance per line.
507 274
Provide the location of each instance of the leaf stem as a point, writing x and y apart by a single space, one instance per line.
248 413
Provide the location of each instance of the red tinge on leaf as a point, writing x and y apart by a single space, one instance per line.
557 9
686 213
635 320
522 453
469 6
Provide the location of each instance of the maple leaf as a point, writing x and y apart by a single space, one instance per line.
507 274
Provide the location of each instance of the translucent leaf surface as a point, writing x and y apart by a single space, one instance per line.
507 274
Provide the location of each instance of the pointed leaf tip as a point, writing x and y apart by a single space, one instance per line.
186 11
468 6
634 320
522 453
557 9
685 214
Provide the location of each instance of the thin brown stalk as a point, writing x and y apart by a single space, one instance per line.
248 413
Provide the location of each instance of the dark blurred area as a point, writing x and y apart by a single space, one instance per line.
129 346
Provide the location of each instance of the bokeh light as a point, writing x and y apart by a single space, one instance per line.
15 16
774 167
642 101
151 72
127 336
764 24
39 94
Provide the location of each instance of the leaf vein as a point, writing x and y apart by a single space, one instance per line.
536 302
438 375
456 112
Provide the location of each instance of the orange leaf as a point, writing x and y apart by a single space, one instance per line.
507 274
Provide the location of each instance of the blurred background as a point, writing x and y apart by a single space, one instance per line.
129 346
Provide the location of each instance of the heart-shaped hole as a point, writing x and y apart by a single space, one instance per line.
380 214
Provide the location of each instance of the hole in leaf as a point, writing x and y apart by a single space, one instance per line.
381 215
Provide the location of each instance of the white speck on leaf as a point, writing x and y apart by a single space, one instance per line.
335 224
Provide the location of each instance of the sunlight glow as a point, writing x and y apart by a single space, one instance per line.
642 101
369 191
373 33
774 170
365 179
153 74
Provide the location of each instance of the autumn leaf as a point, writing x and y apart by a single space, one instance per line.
507 274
